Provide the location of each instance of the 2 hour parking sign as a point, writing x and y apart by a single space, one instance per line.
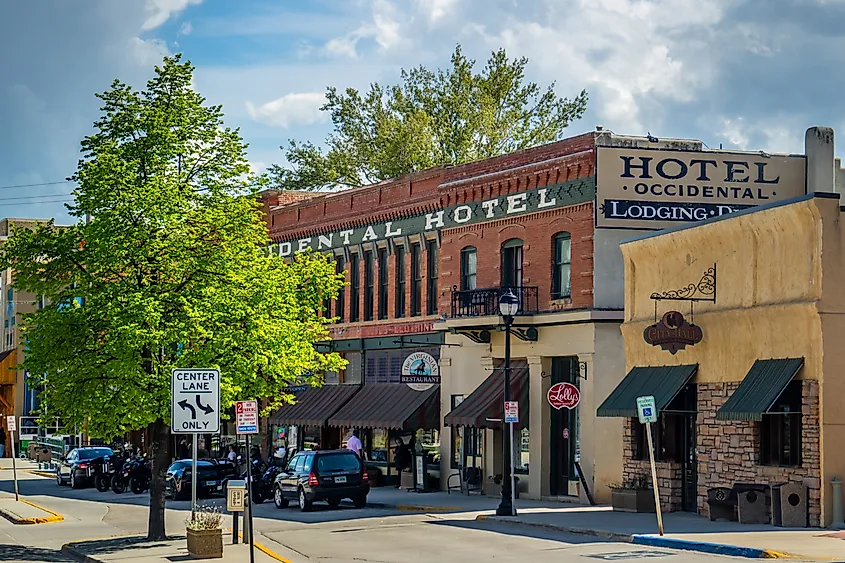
195 406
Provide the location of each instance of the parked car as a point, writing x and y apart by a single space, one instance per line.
330 476
79 466
178 479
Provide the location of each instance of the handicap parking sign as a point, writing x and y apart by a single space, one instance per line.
646 409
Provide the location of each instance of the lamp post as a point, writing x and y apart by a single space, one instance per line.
508 307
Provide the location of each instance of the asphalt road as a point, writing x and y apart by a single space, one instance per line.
344 535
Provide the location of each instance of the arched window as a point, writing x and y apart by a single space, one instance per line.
468 268
512 263
561 274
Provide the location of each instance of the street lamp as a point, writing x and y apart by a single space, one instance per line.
508 307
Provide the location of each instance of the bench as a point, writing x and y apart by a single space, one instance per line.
469 479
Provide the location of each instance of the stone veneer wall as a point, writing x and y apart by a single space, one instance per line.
728 451
668 474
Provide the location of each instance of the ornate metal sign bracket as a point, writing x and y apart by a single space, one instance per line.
704 290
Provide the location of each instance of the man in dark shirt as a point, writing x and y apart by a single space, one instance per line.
2 441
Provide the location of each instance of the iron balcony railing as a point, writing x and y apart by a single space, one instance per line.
482 302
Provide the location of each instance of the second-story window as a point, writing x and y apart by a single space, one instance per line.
327 301
561 276
512 263
354 288
400 282
382 283
468 266
431 277
416 280
369 282
340 302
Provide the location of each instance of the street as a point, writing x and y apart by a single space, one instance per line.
344 535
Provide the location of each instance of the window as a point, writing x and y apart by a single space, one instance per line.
512 263
468 266
562 266
368 285
521 449
431 277
400 282
382 283
416 280
669 431
348 463
340 302
780 429
327 302
354 288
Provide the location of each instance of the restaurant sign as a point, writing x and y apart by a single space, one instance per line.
563 395
655 189
673 333
498 207
420 371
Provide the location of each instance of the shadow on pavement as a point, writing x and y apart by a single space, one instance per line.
118 545
509 529
32 554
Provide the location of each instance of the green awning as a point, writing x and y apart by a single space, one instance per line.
760 389
662 382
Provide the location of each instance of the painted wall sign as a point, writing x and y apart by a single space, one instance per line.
420 371
673 333
563 395
505 205
655 189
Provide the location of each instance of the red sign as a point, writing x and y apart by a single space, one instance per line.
564 395
673 333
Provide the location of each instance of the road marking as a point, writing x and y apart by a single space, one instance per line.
266 550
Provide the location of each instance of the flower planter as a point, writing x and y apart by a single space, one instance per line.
205 544
632 500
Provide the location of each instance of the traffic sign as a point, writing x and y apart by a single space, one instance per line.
246 417
511 411
195 405
646 409
12 423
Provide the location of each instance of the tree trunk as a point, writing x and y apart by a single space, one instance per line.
159 438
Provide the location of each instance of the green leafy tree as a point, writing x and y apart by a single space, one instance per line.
432 118
170 271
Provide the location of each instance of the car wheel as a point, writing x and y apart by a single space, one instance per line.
59 481
304 504
74 484
102 482
279 499
333 502
360 501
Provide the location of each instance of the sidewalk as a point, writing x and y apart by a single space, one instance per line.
26 512
138 550
439 501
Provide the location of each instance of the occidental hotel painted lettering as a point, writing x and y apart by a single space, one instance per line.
505 205
655 189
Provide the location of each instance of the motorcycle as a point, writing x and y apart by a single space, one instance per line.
258 469
262 484
110 466
133 466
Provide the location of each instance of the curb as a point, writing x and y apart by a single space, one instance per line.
408 507
40 473
15 519
266 550
652 541
68 549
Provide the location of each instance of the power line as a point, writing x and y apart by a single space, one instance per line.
34 197
37 202
14 186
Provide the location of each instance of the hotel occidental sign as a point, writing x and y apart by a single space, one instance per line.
673 333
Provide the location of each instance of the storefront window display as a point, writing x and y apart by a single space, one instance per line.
521 451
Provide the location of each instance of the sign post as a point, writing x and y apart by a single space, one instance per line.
246 419
648 414
195 409
12 424
235 494
511 416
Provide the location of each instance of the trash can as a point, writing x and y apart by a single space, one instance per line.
789 506
752 507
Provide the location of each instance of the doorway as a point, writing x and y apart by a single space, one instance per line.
679 419
563 435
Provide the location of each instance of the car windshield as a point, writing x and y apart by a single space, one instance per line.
204 471
94 453
339 462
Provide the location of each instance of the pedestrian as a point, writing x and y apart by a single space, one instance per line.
354 444
183 452
2 441
401 458
232 455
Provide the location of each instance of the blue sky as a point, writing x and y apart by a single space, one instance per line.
748 74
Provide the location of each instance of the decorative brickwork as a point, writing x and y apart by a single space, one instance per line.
728 451
668 474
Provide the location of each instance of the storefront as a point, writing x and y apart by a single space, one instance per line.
734 327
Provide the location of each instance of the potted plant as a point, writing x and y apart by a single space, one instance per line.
634 495
205 533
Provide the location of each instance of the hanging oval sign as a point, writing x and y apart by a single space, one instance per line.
564 395
420 371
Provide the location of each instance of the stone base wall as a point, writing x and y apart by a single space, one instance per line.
728 450
668 474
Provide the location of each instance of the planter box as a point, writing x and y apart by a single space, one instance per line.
205 544
632 500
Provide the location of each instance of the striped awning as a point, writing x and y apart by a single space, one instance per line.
484 408
315 405
661 382
761 387
392 406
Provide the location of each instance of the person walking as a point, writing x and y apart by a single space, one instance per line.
2 441
354 444
401 458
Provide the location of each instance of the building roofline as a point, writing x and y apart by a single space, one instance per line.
764 207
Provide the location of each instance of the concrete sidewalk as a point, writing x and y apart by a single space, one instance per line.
26 512
138 549
439 501
686 531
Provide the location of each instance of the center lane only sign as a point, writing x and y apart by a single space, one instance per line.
195 405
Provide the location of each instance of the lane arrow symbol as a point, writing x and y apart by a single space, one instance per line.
206 409
185 406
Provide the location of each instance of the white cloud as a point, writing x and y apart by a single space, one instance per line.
159 11
776 135
436 9
289 110
186 29
148 52
384 29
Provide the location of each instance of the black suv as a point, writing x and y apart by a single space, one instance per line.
329 476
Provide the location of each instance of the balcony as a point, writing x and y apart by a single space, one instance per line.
485 302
